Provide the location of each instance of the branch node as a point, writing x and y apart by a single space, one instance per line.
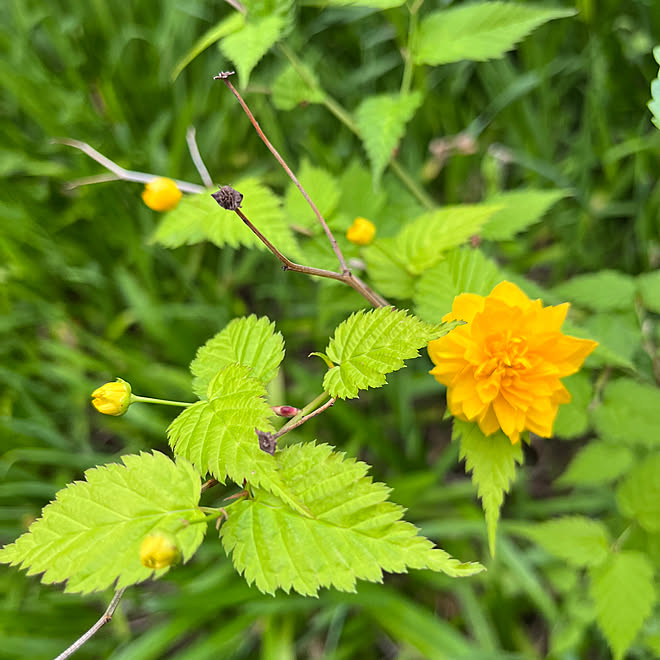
228 198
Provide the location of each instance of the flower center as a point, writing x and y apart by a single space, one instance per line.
507 358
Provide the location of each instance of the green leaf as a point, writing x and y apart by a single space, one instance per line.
249 44
597 463
479 31
249 341
654 103
422 242
629 413
354 532
624 595
375 4
322 187
368 345
91 534
226 26
649 288
464 270
572 420
578 540
354 181
381 121
521 209
492 461
605 291
198 218
387 272
290 89
638 495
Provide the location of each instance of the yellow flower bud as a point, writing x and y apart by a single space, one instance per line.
112 398
159 550
161 194
361 232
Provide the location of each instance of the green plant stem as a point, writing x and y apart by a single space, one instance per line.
623 537
164 402
345 118
409 64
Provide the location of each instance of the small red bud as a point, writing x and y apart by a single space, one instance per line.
285 411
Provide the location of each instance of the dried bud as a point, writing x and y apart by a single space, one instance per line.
361 232
267 442
112 398
228 198
161 194
285 411
159 550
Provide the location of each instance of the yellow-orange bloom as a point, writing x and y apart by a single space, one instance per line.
161 194
159 550
361 232
503 367
112 398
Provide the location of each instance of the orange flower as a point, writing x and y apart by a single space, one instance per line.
161 194
503 367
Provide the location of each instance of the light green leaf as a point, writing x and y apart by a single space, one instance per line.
354 532
381 121
368 345
422 242
91 534
492 461
226 26
629 413
322 187
654 103
521 209
375 4
249 341
198 218
249 44
290 89
387 272
648 285
638 495
577 540
605 291
597 463
623 593
480 31
572 420
353 182
464 270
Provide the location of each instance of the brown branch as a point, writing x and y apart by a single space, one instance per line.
302 420
107 616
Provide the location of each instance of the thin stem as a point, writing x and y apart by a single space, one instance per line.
120 172
409 64
209 484
312 405
302 420
107 616
164 402
238 6
89 180
197 157
340 257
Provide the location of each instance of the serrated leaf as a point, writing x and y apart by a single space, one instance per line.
231 23
597 463
422 242
198 218
249 341
91 534
463 270
521 209
387 272
290 89
354 532
369 345
605 291
628 413
381 121
249 44
649 289
578 540
479 31
623 593
322 188
638 495
492 461
572 420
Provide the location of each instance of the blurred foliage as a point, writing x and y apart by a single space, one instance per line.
85 296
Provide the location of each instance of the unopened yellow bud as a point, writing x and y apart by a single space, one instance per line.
159 550
361 232
112 398
161 194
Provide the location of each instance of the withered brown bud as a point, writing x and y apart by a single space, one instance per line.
267 442
228 198
223 75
